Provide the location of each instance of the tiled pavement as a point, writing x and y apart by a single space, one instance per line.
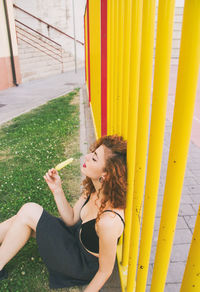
37 92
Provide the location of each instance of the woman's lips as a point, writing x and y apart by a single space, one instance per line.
84 165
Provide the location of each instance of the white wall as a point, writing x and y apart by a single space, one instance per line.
58 13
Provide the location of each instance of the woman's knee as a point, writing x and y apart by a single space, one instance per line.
30 214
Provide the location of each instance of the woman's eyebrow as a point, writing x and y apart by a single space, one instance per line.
96 154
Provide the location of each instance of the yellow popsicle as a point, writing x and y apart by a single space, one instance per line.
63 164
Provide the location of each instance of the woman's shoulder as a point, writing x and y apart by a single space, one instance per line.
111 213
111 221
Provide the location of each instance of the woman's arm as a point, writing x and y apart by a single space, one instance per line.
68 214
108 232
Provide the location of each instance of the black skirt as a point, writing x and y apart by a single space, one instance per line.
68 262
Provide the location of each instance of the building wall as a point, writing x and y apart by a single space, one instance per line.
6 77
58 13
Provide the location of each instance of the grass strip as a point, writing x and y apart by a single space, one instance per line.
29 146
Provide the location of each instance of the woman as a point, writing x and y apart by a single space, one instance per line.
80 248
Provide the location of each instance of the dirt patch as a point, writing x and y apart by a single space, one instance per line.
5 155
6 124
76 99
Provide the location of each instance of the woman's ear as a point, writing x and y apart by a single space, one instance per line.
104 174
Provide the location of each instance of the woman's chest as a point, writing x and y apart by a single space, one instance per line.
89 211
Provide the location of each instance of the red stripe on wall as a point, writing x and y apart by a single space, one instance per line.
103 67
88 42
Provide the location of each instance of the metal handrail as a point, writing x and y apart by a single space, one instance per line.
49 25
39 49
37 42
37 32
61 57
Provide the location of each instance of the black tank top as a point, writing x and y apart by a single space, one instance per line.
88 235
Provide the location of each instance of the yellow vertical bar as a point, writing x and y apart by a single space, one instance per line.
132 127
115 65
159 105
188 70
108 65
148 20
112 13
143 121
86 47
126 66
120 65
136 38
125 85
120 75
125 104
95 61
191 277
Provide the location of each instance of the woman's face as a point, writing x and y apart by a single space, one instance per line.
94 163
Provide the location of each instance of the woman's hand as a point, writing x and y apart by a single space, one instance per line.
53 180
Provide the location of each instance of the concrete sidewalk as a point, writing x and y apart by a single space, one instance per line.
17 100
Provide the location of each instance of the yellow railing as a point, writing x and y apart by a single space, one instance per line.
130 41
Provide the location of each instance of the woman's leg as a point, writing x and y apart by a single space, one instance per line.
4 227
19 231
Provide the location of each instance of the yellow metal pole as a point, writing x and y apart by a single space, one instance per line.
159 105
120 76
143 123
126 67
116 26
95 61
188 70
86 48
108 65
112 65
120 65
125 100
132 134
191 277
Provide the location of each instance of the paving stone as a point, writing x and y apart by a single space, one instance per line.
182 236
158 211
195 198
180 252
190 220
160 200
194 189
173 287
185 190
188 172
196 174
186 209
194 164
186 199
150 272
175 272
195 207
189 181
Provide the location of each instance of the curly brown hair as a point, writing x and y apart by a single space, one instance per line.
114 186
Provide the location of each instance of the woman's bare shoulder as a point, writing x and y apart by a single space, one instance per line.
110 222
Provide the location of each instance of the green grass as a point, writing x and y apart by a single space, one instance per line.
29 146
